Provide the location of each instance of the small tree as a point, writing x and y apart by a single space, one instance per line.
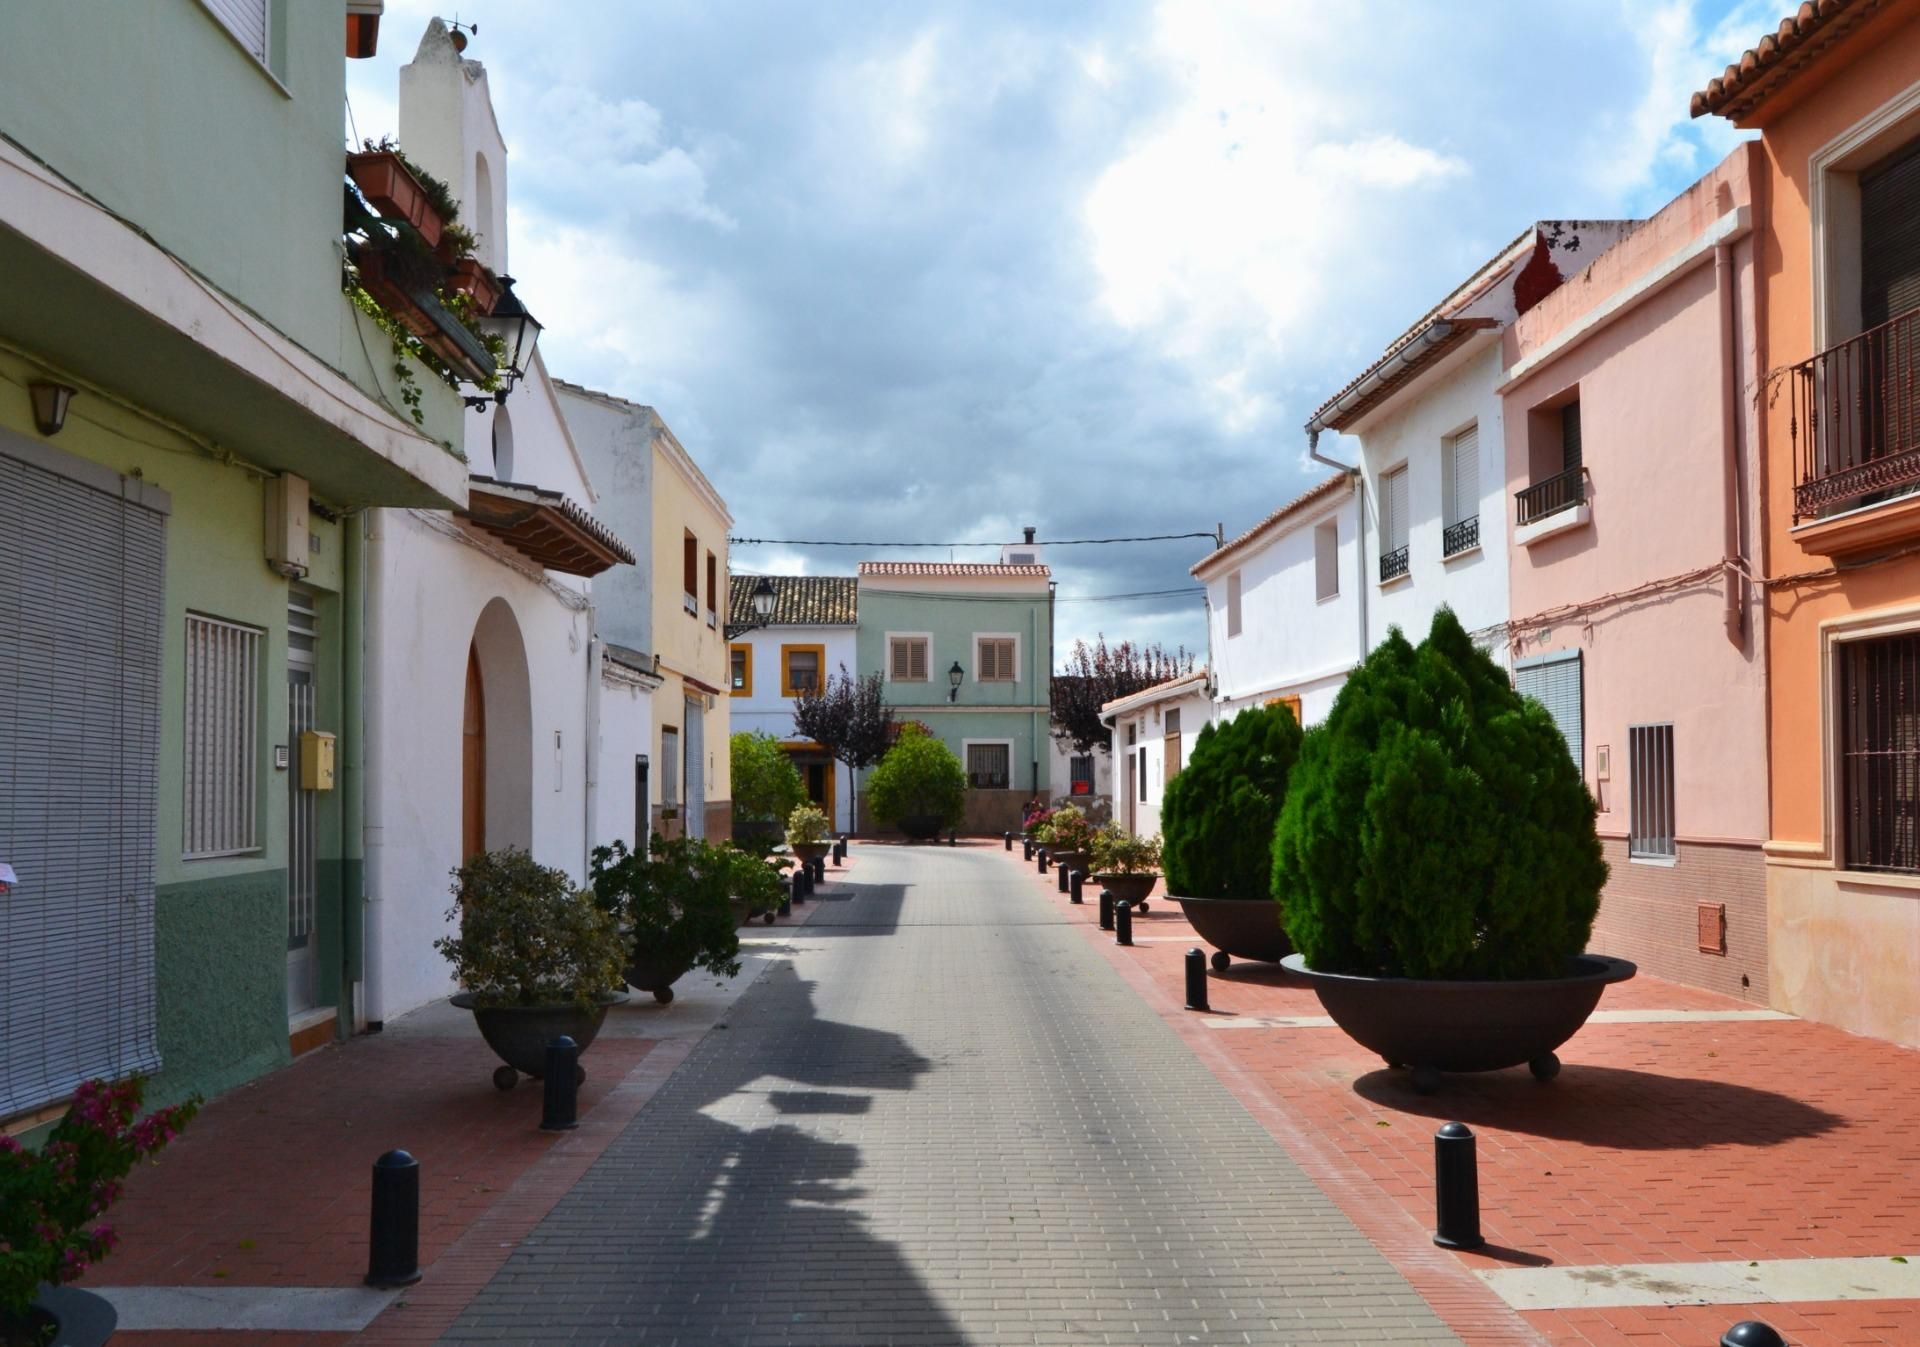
1219 812
1435 826
1097 674
766 784
919 778
849 717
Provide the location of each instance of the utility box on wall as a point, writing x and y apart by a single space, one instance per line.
316 760
286 525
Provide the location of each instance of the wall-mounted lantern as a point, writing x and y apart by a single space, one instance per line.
49 404
955 676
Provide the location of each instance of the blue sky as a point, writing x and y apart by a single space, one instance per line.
933 271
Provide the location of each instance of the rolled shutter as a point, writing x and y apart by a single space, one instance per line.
1463 477
82 575
1554 681
1890 238
1393 511
246 20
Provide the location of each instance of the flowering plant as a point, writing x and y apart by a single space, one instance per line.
1069 830
1034 819
51 1200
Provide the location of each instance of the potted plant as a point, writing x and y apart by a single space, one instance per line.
1217 821
476 282
674 907
766 785
1126 866
1033 820
1439 865
1069 835
755 882
536 958
51 1204
919 787
807 834
401 190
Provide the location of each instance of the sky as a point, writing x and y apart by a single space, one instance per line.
929 272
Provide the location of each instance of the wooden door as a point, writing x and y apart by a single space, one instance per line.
473 764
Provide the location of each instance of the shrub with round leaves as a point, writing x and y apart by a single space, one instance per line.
528 936
919 778
1435 826
806 826
1218 815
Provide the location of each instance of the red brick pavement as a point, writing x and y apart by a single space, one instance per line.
1664 1142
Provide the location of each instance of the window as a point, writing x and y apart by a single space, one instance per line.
690 574
246 20
1554 460
995 661
1233 604
1172 721
1080 774
740 671
713 590
1142 774
800 668
1460 487
1570 437
1880 753
221 801
1326 560
1650 791
1394 553
907 659
987 765
1133 731
1554 681
1291 703
669 766
502 444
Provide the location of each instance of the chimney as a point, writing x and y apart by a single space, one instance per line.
1029 531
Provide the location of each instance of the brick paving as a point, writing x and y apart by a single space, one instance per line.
1671 1141
945 1120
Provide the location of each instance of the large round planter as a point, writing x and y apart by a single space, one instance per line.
1246 928
1068 860
519 1035
657 974
922 827
1433 1025
809 852
79 1319
1129 889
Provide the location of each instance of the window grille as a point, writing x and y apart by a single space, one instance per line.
908 657
996 660
1326 560
1650 809
1880 753
1080 774
669 767
221 805
1233 603
987 766
1462 483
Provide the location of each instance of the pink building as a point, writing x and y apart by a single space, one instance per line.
1631 405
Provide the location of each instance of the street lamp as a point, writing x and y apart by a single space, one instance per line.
955 676
518 330
762 610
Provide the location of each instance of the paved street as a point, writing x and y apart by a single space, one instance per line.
944 1119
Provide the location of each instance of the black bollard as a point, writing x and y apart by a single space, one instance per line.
805 876
1456 1188
1122 923
1752 1333
1026 848
560 1103
1044 858
953 839
819 876
1007 841
1074 881
796 889
1060 877
1106 909
786 905
393 1243
1196 979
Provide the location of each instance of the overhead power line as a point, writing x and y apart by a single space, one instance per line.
1209 535
917 596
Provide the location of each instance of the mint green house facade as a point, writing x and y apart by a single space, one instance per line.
967 649
192 414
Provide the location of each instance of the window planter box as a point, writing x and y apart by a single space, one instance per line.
423 315
395 192
477 283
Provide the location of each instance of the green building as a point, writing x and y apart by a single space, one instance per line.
967 649
192 413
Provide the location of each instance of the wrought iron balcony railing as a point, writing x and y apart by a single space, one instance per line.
1562 491
1393 564
1461 536
1856 421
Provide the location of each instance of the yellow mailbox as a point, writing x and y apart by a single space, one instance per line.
316 760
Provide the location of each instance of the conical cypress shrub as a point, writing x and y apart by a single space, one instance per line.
1216 822
1435 826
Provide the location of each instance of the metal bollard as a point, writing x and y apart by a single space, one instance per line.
1122 923
1196 979
806 882
819 866
1060 877
560 1104
1752 1333
786 905
1044 858
840 852
796 889
1007 841
1106 909
953 839
1456 1188
1074 881
1026 848
393 1241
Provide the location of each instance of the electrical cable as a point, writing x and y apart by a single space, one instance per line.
1209 535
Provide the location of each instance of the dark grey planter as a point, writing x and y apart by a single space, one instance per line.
1434 1025
519 1035
809 851
1068 860
79 1318
1245 928
1129 889
656 974
922 827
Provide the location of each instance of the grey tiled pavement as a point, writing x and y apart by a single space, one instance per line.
944 1119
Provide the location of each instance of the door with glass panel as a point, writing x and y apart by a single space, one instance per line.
302 867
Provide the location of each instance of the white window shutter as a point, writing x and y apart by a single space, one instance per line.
1393 511
1463 476
246 20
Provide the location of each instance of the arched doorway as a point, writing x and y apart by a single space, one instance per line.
496 749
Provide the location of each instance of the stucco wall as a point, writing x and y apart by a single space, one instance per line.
616 442
1148 723
764 709
626 729
220 966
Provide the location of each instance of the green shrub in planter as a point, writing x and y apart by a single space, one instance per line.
675 904
1218 813
527 936
1068 829
1435 826
1118 852
919 778
755 880
806 826
766 784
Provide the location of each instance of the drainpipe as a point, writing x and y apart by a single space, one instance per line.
1314 427
1033 648
1723 280
353 778
373 720
595 654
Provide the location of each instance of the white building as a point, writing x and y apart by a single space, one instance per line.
1153 731
1085 779
808 637
1286 606
480 646
1432 456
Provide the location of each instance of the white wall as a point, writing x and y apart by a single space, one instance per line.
1291 642
770 712
626 730
1148 723
1475 582
1060 771
615 439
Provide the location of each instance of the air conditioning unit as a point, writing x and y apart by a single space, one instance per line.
286 525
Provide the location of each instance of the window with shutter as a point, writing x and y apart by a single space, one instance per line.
1395 556
246 20
800 668
988 765
220 800
1554 681
1890 237
907 659
1460 483
1326 560
713 588
1233 603
1880 753
669 766
1570 436
996 659
690 573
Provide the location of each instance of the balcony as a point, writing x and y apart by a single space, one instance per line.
1552 505
1393 564
1461 537
1855 430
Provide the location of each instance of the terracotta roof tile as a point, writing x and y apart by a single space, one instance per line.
1764 68
959 568
1298 504
798 600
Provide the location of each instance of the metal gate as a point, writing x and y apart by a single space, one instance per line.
302 869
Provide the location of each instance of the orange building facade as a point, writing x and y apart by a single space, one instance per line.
1835 95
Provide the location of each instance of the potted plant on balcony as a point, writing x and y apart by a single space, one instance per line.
1217 819
401 190
919 787
536 958
674 908
1068 834
1439 866
51 1204
1125 865
807 833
